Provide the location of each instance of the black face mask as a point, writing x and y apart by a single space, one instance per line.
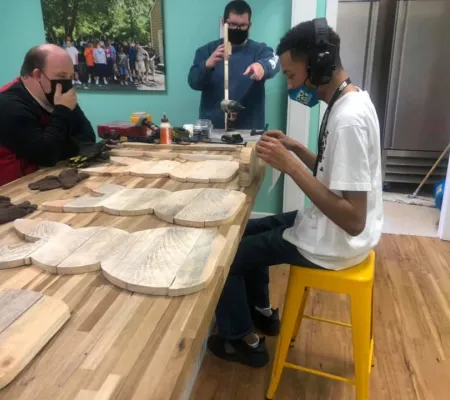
237 36
66 85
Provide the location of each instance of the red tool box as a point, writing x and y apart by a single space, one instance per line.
120 128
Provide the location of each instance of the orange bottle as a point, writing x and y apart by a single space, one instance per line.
165 135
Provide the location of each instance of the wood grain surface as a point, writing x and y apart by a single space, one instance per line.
154 169
61 246
34 230
149 261
116 200
34 319
205 171
139 347
13 303
17 255
200 207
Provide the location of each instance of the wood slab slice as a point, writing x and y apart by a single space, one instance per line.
201 207
213 171
107 189
108 170
83 204
224 171
154 169
163 155
17 255
126 153
181 173
54 205
138 201
174 203
61 246
89 255
149 261
200 265
124 161
33 230
205 157
22 340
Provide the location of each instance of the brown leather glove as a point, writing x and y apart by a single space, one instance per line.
70 177
10 212
67 179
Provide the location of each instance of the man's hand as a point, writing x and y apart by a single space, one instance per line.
287 142
215 57
273 152
68 99
256 71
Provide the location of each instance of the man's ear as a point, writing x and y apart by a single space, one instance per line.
36 74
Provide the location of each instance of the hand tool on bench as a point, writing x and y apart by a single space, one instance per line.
255 132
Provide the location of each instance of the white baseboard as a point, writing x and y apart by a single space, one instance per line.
255 215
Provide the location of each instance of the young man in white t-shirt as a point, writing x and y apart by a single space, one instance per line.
345 221
73 53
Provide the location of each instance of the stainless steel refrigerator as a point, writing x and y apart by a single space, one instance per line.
399 50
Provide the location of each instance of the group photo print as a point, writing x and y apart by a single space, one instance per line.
115 45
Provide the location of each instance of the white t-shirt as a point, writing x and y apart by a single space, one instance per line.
351 162
73 53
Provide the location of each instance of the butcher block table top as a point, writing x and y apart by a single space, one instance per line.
117 344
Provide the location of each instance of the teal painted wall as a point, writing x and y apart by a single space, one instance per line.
21 24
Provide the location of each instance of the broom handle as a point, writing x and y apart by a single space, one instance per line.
447 149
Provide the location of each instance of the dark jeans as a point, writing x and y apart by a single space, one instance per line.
247 284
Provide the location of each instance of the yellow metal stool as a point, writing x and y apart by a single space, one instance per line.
357 282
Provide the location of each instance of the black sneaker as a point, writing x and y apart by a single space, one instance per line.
239 351
270 326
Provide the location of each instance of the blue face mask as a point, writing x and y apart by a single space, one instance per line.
304 95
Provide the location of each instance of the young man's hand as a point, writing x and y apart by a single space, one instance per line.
215 57
256 71
287 142
274 153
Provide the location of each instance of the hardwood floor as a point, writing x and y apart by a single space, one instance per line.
412 335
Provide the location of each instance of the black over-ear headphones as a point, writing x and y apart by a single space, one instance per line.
322 57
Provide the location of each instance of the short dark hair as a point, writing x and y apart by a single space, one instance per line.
36 57
301 40
239 7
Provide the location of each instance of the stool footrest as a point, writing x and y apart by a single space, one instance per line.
328 321
320 373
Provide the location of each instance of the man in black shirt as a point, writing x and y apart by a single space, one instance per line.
40 120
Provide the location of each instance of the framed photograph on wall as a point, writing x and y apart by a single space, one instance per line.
115 45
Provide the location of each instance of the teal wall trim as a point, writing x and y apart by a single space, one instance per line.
21 25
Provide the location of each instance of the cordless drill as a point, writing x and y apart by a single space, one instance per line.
231 109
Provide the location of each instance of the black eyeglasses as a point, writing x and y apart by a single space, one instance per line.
242 27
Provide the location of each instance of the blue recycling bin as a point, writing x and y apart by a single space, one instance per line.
438 193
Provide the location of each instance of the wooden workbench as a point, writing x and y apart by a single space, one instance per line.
117 344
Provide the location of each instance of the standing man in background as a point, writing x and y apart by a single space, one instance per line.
251 64
73 53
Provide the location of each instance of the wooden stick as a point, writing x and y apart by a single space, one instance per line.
447 149
227 53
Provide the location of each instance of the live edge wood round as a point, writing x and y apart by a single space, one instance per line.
117 344
196 208
164 261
